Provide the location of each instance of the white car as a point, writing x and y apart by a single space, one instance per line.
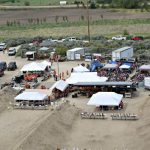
119 37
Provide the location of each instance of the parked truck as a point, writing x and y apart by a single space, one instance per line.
147 82
124 52
75 53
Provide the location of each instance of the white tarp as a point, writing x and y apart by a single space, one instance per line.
105 99
110 66
84 77
80 69
60 85
145 67
32 96
46 63
34 66
124 66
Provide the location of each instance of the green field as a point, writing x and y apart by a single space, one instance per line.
36 2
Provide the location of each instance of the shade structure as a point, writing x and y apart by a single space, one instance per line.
60 85
80 68
34 66
105 99
110 66
85 77
34 96
145 67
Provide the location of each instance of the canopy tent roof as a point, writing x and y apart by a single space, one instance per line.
30 52
85 77
124 66
46 63
145 67
110 66
34 66
80 68
105 99
29 96
60 85
112 62
45 91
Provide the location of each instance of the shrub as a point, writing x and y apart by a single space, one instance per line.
26 3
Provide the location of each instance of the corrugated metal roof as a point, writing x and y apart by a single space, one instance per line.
75 49
122 49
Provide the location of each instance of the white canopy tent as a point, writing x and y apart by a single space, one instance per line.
124 66
46 63
84 77
80 68
105 99
145 67
34 66
60 85
31 96
110 66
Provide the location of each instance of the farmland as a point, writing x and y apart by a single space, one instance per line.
102 22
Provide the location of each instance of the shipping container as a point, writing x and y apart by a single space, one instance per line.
72 53
124 52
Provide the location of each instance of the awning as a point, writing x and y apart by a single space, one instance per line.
124 66
46 63
105 99
30 52
28 96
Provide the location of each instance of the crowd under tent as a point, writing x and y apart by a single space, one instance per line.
34 66
85 77
80 68
31 99
110 66
105 99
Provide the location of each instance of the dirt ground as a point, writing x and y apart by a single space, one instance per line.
72 14
48 130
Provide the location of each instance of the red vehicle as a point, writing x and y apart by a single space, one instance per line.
137 38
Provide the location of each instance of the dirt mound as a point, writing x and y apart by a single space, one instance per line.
7 95
54 131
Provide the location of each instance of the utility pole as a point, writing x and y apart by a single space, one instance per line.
88 21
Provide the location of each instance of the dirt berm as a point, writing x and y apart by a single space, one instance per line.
54 131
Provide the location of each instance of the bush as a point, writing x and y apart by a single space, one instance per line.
26 3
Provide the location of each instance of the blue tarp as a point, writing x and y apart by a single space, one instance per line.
95 64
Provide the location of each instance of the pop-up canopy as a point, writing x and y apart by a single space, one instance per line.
80 69
105 99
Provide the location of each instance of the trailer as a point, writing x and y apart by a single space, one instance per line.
147 82
124 52
75 53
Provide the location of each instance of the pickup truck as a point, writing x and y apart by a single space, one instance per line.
119 37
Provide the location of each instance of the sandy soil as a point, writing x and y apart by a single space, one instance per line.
47 130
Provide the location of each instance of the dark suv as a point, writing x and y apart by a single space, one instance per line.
3 65
12 66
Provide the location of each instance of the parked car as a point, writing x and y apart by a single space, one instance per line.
119 37
1 72
12 66
3 65
2 46
12 51
137 38
70 39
